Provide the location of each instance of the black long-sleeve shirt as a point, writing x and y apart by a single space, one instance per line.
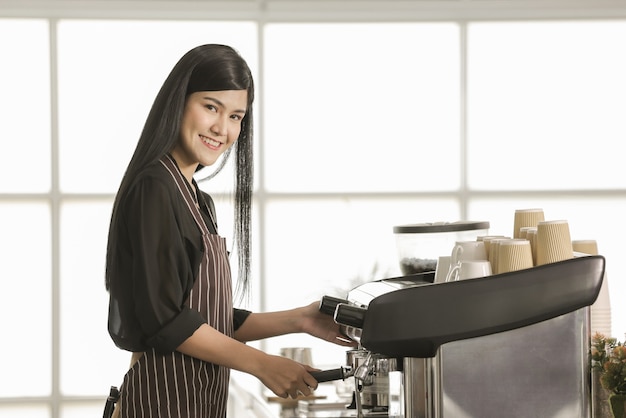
158 252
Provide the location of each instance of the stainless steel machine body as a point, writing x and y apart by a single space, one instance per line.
541 370
514 345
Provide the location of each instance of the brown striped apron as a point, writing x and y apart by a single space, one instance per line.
175 385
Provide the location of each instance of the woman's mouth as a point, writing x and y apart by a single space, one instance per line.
210 142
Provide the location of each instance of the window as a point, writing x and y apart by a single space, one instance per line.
25 105
361 125
361 107
25 216
544 100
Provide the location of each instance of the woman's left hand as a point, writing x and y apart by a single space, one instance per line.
323 326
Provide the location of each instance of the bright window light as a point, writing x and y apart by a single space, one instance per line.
546 105
25 299
25 106
361 107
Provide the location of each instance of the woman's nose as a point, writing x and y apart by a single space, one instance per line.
219 127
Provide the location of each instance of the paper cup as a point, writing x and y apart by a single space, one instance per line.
514 254
587 246
523 231
488 237
526 217
487 240
493 253
531 236
553 242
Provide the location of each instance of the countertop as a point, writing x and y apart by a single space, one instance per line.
249 399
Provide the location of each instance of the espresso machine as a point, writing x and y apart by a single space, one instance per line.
514 344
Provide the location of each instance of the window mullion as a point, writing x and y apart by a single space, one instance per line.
55 202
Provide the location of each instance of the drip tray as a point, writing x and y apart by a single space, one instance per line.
321 409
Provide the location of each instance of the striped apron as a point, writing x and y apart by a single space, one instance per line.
175 385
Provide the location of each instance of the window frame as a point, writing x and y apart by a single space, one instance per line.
264 12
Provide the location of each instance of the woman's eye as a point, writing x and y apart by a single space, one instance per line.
211 108
236 117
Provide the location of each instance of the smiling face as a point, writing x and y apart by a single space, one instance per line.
211 124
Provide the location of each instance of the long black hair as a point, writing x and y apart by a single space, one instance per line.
205 68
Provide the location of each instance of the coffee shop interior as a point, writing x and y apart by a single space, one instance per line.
368 115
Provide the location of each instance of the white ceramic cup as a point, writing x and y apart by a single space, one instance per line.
468 250
470 269
443 267
463 251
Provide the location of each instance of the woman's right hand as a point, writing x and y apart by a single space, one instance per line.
285 377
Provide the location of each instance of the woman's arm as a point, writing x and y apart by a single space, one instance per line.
307 319
281 375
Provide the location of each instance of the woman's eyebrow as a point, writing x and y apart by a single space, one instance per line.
220 104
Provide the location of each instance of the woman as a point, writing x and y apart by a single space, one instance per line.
167 269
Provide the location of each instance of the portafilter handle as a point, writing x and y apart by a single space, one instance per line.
350 315
328 304
341 373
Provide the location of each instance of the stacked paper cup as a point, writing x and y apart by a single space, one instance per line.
494 252
523 231
553 242
531 235
585 246
514 254
526 218
535 242
601 309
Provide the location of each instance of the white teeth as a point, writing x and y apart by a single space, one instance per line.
209 141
